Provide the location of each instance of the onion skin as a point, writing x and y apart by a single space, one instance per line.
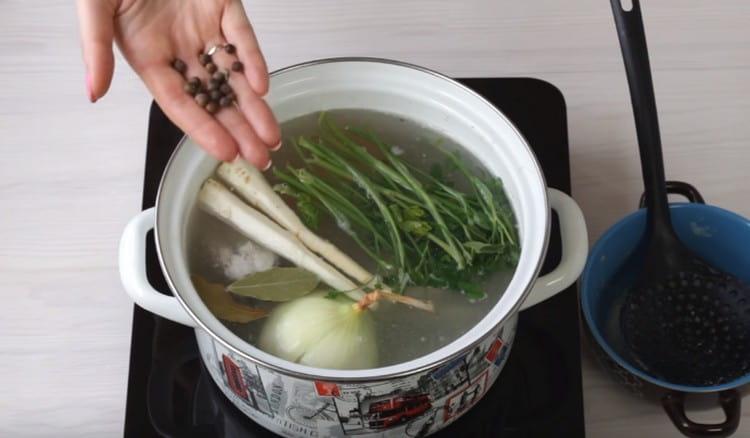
321 332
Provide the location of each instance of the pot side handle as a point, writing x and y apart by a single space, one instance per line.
730 400
132 261
575 247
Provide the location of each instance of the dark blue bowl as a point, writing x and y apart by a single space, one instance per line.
719 236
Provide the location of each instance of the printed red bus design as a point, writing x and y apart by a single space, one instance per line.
390 410
234 377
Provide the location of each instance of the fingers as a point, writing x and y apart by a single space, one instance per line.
252 148
223 134
262 131
166 85
96 19
256 111
237 29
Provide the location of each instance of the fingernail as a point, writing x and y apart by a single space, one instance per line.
276 148
90 89
268 166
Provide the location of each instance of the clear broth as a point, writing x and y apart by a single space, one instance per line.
402 333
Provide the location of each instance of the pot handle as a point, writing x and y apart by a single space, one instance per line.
679 188
575 247
674 404
132 260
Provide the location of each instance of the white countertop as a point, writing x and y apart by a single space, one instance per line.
71 172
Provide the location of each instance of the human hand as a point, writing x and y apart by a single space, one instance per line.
151 34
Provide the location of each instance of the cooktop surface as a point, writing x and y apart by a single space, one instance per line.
538 393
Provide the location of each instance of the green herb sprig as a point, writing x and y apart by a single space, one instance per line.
417 227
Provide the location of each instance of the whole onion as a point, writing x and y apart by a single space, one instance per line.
321 331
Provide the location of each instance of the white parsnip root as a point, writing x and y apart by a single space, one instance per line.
252 186
217 200
250 183
288 236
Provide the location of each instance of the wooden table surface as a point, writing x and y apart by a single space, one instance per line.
70 171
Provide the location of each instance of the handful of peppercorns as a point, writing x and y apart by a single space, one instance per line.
215 93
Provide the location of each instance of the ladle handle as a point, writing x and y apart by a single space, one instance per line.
730 400
635 55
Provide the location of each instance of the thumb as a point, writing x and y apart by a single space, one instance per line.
96 21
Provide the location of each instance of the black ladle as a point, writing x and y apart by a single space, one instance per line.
684 321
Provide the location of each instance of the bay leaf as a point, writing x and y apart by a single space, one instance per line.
276 284
221 303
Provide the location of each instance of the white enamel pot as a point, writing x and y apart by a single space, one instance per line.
419 396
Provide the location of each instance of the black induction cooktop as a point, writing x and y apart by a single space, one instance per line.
538 393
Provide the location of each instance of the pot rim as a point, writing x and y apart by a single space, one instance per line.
593 328
387 372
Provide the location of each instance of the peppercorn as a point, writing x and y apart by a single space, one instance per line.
213 84
204 58
215 95
225 88
229 48
195 81
210 67
212 107
179 65
219 76
237 66
225 101
190 88
202 99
